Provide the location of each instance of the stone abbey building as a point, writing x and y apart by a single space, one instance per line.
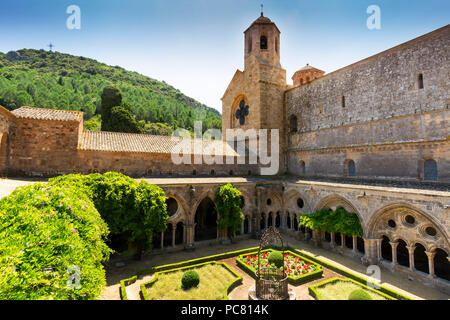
372 137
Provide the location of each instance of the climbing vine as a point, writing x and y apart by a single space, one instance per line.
333 221
228 205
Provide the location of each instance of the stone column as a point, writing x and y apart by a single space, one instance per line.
355 244
411 256
174 229
190 229
394 245
333 241
184 233
242 227
371 248
431 256
162 240
342 241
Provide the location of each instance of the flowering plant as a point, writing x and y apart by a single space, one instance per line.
294 265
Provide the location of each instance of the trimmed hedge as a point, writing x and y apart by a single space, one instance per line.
312 289
293 280
276 257
186 263
190 279
359 295
237 281
343 272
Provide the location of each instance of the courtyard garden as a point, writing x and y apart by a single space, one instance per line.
213 281
345 289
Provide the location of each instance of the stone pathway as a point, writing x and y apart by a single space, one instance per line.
414 289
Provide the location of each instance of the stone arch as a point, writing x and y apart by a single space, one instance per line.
181 213
290 201
205 219
293 123
276 202
397 211
335 201
248 204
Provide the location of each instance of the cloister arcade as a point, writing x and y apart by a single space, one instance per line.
399 236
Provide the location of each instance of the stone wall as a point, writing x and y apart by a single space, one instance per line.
6 121
384 112
40 147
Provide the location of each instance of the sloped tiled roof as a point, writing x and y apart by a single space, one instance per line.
262 20
47 114
144 143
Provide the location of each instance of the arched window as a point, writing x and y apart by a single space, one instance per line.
350 168
343 101
293 123
386 249
276 45
263 43
302 167
430 171
250 45
420 81
420 258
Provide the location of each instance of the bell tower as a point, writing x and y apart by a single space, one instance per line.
254 98
262 40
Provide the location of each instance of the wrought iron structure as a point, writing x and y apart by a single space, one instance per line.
271 283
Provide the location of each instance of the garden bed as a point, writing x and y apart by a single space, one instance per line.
299 269
340 289
217 279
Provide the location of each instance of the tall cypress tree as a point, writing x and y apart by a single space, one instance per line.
111 97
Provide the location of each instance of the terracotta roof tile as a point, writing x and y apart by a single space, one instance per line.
145 143
47 114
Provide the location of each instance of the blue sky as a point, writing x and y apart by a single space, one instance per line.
196 45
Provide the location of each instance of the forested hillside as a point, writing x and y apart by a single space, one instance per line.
60 81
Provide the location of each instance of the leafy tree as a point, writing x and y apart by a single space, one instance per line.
228 205
46 233
111 97
133 210
122 120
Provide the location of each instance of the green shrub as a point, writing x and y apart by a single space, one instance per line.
46 233
276 258
333 221
359 294
135 209
190 280
49 231
228 205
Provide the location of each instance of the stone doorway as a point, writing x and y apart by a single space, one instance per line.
206 221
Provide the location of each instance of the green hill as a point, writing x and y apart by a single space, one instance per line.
61 81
